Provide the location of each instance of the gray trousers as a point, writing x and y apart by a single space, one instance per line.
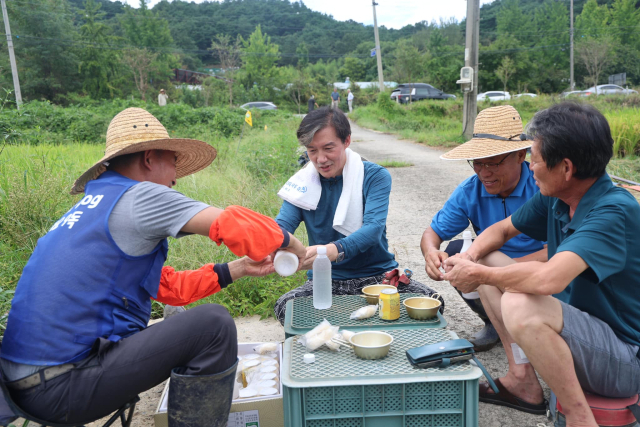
348 287
201 341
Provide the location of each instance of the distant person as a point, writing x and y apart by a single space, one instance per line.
350 100
162 98
312 103
343 201
335 98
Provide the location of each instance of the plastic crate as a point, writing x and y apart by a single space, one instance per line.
300 316
340 390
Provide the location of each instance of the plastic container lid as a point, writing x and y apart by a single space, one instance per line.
389 291
322 250
285 263
309 358
466 234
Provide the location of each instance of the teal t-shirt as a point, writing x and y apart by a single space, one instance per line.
605 233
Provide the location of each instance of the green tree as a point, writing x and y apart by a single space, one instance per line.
45 53
408 63
228 52
140 64
593 20
98 66
259 58
353 68
595 54
506 69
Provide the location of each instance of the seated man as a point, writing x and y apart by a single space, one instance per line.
501 184
348 215
587 337
77 346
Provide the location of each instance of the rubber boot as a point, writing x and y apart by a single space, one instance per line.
487 337
201 400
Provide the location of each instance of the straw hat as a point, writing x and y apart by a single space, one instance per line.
498 130
134 130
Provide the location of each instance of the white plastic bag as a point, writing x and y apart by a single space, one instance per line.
364 312
319 335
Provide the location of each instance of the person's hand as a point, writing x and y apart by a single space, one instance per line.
295 247
462 273
312 252
257 268
434 260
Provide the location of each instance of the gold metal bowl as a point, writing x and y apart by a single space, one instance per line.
371 344
371 293
422 308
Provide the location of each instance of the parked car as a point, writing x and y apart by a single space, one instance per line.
417 92
530 95
496 95
572 93
259 105
608 90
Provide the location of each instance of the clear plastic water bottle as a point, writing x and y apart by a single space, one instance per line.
322 280
466 236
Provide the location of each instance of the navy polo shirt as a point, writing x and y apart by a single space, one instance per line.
470 201
605 233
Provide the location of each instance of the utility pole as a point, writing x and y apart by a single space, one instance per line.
378 53
12 58
572 84
470 109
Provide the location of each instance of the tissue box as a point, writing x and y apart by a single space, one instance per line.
252 412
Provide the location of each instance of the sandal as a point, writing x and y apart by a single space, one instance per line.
506 398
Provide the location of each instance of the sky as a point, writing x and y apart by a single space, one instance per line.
390 13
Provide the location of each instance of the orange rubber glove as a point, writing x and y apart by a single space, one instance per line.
246 232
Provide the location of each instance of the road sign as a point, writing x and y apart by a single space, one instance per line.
618 79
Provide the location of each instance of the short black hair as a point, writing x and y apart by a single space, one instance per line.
574 131
320 119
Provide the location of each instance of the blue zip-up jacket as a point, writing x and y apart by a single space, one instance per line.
366 252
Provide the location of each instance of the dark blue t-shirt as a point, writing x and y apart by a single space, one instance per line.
605 233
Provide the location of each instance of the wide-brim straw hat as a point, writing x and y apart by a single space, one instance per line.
497 130
134 130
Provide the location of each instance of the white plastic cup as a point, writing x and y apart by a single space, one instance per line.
286 263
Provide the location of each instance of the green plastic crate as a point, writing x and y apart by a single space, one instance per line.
301 317
340 390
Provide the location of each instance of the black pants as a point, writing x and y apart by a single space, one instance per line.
202 341
454 247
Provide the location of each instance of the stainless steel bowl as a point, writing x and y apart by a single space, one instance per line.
371 293
422 308
371 344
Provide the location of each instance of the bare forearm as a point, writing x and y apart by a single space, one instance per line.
541 256
519 277
430 241
492 239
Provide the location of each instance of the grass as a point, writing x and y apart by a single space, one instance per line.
394 164
35 180
439 123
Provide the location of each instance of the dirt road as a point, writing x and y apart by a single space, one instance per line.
418 193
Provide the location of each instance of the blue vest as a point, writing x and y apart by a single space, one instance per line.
79 286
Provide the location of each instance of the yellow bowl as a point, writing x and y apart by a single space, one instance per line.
421 308
371 293
371 344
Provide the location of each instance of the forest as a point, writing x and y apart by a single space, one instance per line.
282 51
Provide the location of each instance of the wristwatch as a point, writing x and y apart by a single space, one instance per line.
340 257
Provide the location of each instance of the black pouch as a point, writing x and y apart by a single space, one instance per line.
442 354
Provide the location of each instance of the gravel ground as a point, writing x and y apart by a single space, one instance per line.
418 193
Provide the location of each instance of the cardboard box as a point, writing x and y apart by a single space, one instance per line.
251 412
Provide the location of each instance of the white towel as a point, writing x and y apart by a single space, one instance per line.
304 190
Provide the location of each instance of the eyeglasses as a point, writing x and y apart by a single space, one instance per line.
491 167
